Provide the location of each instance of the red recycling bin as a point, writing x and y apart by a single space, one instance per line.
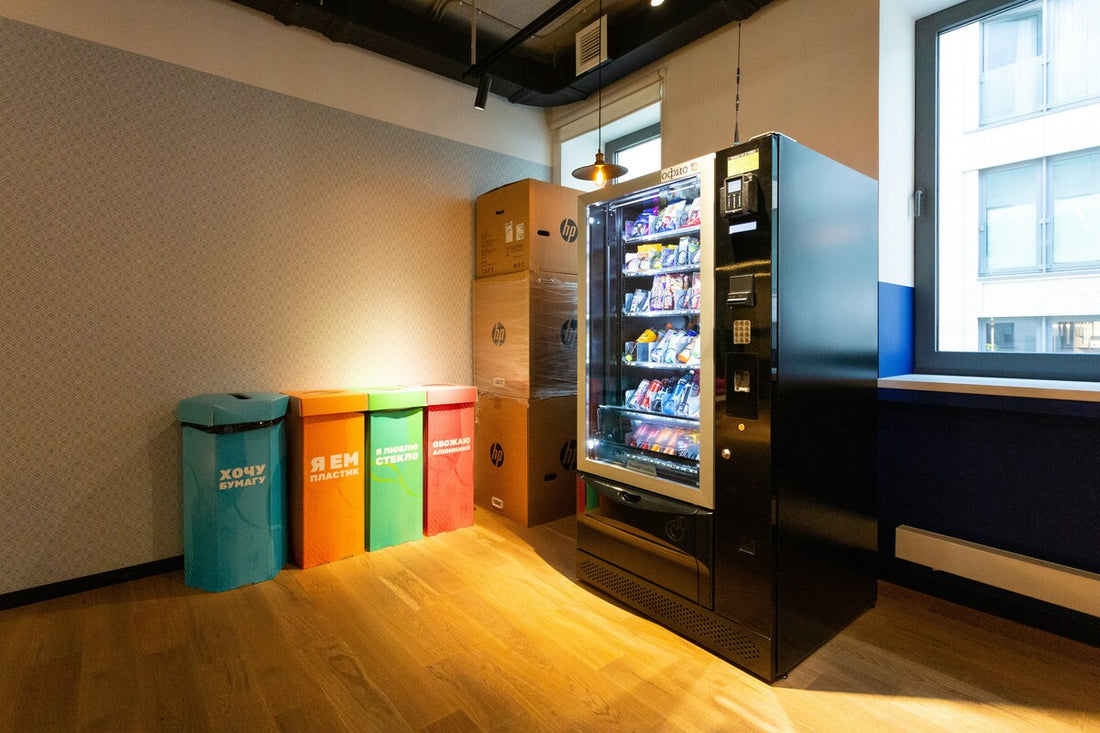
449 468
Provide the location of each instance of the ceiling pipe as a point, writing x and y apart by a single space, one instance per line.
559 9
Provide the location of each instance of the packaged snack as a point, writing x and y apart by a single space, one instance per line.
695 253
668 297
684 355
668 255
670 216
681 298
634 399
656 352
696 292
693 399
640 303
657 293
630 262
628 228
641 435
653 390
663 438
693 219
682 252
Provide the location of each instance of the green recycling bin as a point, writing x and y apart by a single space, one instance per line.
234 488
395 485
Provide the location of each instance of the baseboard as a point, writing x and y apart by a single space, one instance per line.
89 582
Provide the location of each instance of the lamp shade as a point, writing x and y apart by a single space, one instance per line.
599 172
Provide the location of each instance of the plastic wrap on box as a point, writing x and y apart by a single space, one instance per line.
525 335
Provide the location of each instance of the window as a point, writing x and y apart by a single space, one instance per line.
1008 169
639 151
1024 230
1012 63
631 138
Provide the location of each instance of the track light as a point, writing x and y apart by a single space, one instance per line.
483 91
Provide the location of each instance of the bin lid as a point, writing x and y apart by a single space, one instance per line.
394 398
308 402
235 408
448 394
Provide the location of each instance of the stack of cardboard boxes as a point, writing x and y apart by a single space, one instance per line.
525 351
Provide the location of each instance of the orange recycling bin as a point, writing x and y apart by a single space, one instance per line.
449 450
326 487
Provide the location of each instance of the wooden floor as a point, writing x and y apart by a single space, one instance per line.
486 629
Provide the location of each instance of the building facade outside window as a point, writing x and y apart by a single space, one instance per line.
1008 157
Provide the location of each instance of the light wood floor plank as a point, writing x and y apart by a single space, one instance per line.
486 629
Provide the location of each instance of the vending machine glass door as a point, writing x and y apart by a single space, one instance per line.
645 373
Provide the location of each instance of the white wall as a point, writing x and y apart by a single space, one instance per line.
229 40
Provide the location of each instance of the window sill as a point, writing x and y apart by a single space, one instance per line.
1046 389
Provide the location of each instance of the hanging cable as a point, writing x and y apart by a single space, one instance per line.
737 93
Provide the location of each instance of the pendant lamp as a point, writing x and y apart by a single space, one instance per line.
599 172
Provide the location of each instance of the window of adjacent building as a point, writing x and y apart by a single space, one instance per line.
1041 216
1008 168
639 151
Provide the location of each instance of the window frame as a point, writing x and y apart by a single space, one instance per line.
612 148
927 358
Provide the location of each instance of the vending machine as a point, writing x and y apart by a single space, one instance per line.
727 373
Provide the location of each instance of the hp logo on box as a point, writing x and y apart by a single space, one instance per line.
568 455
569 332
568 230
496 454
499 333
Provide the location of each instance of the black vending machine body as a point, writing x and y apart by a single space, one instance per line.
782 556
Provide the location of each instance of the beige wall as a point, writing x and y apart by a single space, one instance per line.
809 69
167 232
235 42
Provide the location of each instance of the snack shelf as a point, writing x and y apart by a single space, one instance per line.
661 271
653 463
658 236
652 418
662 313
678 366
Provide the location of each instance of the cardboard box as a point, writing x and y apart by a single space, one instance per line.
525 335
526 225
525 457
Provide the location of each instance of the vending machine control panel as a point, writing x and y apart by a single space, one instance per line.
741 195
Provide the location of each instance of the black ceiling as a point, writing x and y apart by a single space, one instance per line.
526 46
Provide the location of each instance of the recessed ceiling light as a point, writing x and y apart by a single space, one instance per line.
655 3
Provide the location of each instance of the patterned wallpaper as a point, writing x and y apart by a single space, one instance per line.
167 233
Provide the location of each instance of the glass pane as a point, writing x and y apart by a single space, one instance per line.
1011 334
640 159
1080 334
1076 195
1011 65
1074 50
1012 217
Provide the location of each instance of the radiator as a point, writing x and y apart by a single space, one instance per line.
1064 586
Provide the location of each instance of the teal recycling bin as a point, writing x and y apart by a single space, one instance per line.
234 488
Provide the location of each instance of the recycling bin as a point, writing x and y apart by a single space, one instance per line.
395 488
449 457
234 486
325 432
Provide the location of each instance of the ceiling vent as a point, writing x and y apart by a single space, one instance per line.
591 45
